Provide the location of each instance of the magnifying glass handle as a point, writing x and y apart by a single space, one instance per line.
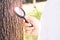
28 22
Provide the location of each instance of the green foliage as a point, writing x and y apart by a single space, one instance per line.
30 37
35 13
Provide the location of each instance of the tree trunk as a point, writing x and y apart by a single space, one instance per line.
10 26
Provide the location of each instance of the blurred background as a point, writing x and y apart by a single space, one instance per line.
33 8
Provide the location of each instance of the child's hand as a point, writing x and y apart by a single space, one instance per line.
31 30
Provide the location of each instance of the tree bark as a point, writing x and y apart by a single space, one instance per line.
10 26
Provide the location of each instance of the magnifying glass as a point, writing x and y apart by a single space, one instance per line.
21 13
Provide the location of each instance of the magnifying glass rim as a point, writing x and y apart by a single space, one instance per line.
22 16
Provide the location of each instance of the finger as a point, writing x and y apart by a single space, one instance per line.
26 24
28 29
32 20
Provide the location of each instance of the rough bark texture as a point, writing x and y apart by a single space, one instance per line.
10 26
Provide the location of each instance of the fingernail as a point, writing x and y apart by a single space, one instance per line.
29 24
32 27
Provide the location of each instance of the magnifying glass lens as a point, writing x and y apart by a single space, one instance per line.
19 11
